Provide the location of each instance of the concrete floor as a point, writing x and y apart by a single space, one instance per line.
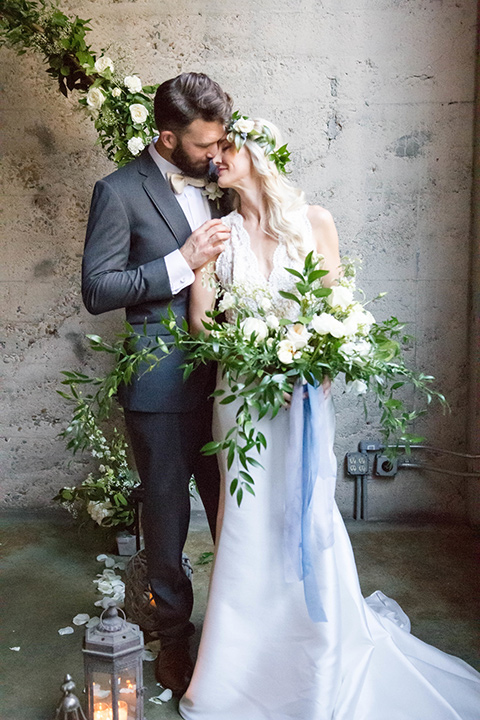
49 564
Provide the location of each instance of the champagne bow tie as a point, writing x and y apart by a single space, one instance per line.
178 182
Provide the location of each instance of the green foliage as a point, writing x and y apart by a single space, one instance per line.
259 369
40 26
105 497
241 129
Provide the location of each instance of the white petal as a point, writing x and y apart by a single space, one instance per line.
149 655
109 562
120 565
166 695
93 621
16 648
66 631
81 619
155 700
101 558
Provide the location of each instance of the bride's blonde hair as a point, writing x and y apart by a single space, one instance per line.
282 200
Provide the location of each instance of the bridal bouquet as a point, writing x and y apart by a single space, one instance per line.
262 357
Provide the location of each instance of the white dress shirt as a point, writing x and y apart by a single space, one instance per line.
197 211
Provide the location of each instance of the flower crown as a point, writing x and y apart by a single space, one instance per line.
241 128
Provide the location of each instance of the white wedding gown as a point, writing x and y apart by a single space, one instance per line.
261 657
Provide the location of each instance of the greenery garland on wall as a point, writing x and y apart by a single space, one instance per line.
120 107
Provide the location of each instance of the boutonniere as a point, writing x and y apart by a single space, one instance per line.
213 192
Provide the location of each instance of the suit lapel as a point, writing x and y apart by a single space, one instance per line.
159 192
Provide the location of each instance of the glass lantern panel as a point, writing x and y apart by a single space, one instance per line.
127 694
102 696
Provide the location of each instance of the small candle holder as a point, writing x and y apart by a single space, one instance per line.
69 708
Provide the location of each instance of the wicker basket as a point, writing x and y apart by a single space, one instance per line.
139 603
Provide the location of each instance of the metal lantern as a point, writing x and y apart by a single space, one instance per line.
113 654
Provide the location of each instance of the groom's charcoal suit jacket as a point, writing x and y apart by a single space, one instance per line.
134 222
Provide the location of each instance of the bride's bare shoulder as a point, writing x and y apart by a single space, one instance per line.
320 218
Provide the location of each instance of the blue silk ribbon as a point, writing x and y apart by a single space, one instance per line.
310 469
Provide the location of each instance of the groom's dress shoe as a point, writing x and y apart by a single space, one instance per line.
174 666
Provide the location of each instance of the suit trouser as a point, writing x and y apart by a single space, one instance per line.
166 447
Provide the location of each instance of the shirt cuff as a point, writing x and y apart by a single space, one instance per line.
179 271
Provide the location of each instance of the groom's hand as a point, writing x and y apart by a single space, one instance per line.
205 243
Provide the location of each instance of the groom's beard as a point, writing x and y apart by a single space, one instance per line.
184 163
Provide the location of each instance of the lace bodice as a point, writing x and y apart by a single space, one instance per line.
237 267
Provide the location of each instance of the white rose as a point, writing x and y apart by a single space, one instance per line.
357 386
367 319
99 510
358 319
138 112
361 348
325 324
95 98
347 349
116 92
244 126
298 335
135 145
350 324
227 302
272 321
254 326
103 63
266 304
340 297
133 83
285 351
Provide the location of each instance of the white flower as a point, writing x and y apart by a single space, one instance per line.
358 319
135 145
360 348
244 126
285 351
298 335
103 63
133 83
357 386
99 510
227 302
340 297
212 191
325 324
116 92
272 321
95 98
254 326
138 112
265 304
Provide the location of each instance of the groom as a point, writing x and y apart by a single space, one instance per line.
144 240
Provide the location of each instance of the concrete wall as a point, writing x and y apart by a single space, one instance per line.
376 101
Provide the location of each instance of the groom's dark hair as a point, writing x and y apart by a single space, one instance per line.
188 97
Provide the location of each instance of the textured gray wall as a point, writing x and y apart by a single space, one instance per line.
376 101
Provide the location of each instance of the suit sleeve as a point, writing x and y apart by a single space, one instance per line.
107 284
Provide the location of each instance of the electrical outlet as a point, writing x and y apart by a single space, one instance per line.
357 463
385 466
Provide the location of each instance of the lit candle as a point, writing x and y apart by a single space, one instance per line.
103 711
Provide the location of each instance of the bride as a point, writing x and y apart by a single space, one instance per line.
262 656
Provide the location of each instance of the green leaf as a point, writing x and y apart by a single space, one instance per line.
211 448
289 296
